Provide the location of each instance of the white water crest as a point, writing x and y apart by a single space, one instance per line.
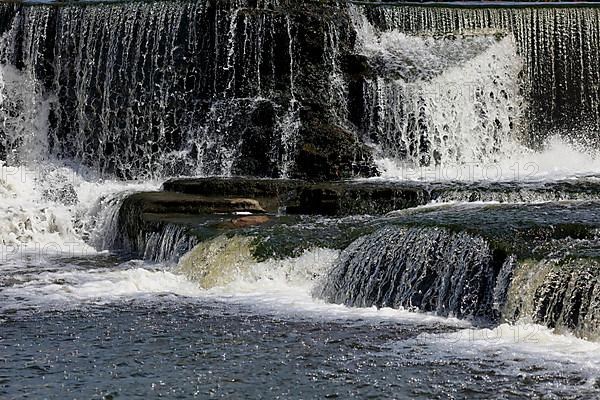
45 288
517 349
56 208
558 160
278 287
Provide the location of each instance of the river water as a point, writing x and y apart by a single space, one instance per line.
100 327
81 319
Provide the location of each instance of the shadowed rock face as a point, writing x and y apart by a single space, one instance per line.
179 203
341 198
142 216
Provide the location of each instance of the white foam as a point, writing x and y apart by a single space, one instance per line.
24 112
279 287
285 287
38 217
559 160
516 345
65 289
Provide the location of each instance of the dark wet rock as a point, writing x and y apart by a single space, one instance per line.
357 66
257 137
179 203
329 152
523 230
271 193
298 197
379 197
144 217
190 205
340 199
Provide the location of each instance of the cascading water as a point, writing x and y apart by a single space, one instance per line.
139 91
555 43
421 268
562 294
152 90
49 205
467 90
229 88
441 100
160 89
94 94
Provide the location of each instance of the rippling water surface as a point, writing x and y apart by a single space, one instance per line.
131 330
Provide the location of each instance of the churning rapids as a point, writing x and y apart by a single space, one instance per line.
495 106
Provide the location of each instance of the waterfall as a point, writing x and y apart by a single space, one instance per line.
242 87
230 87
167 245
466 115
428 269
454 86
563 294
161 88
544 277
556 45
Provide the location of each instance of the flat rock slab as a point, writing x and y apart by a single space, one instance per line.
145 213
181 203
208 206
376 197
270 193
299 197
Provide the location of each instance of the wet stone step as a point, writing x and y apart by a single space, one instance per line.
379 196
299 197
302 214
486 262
